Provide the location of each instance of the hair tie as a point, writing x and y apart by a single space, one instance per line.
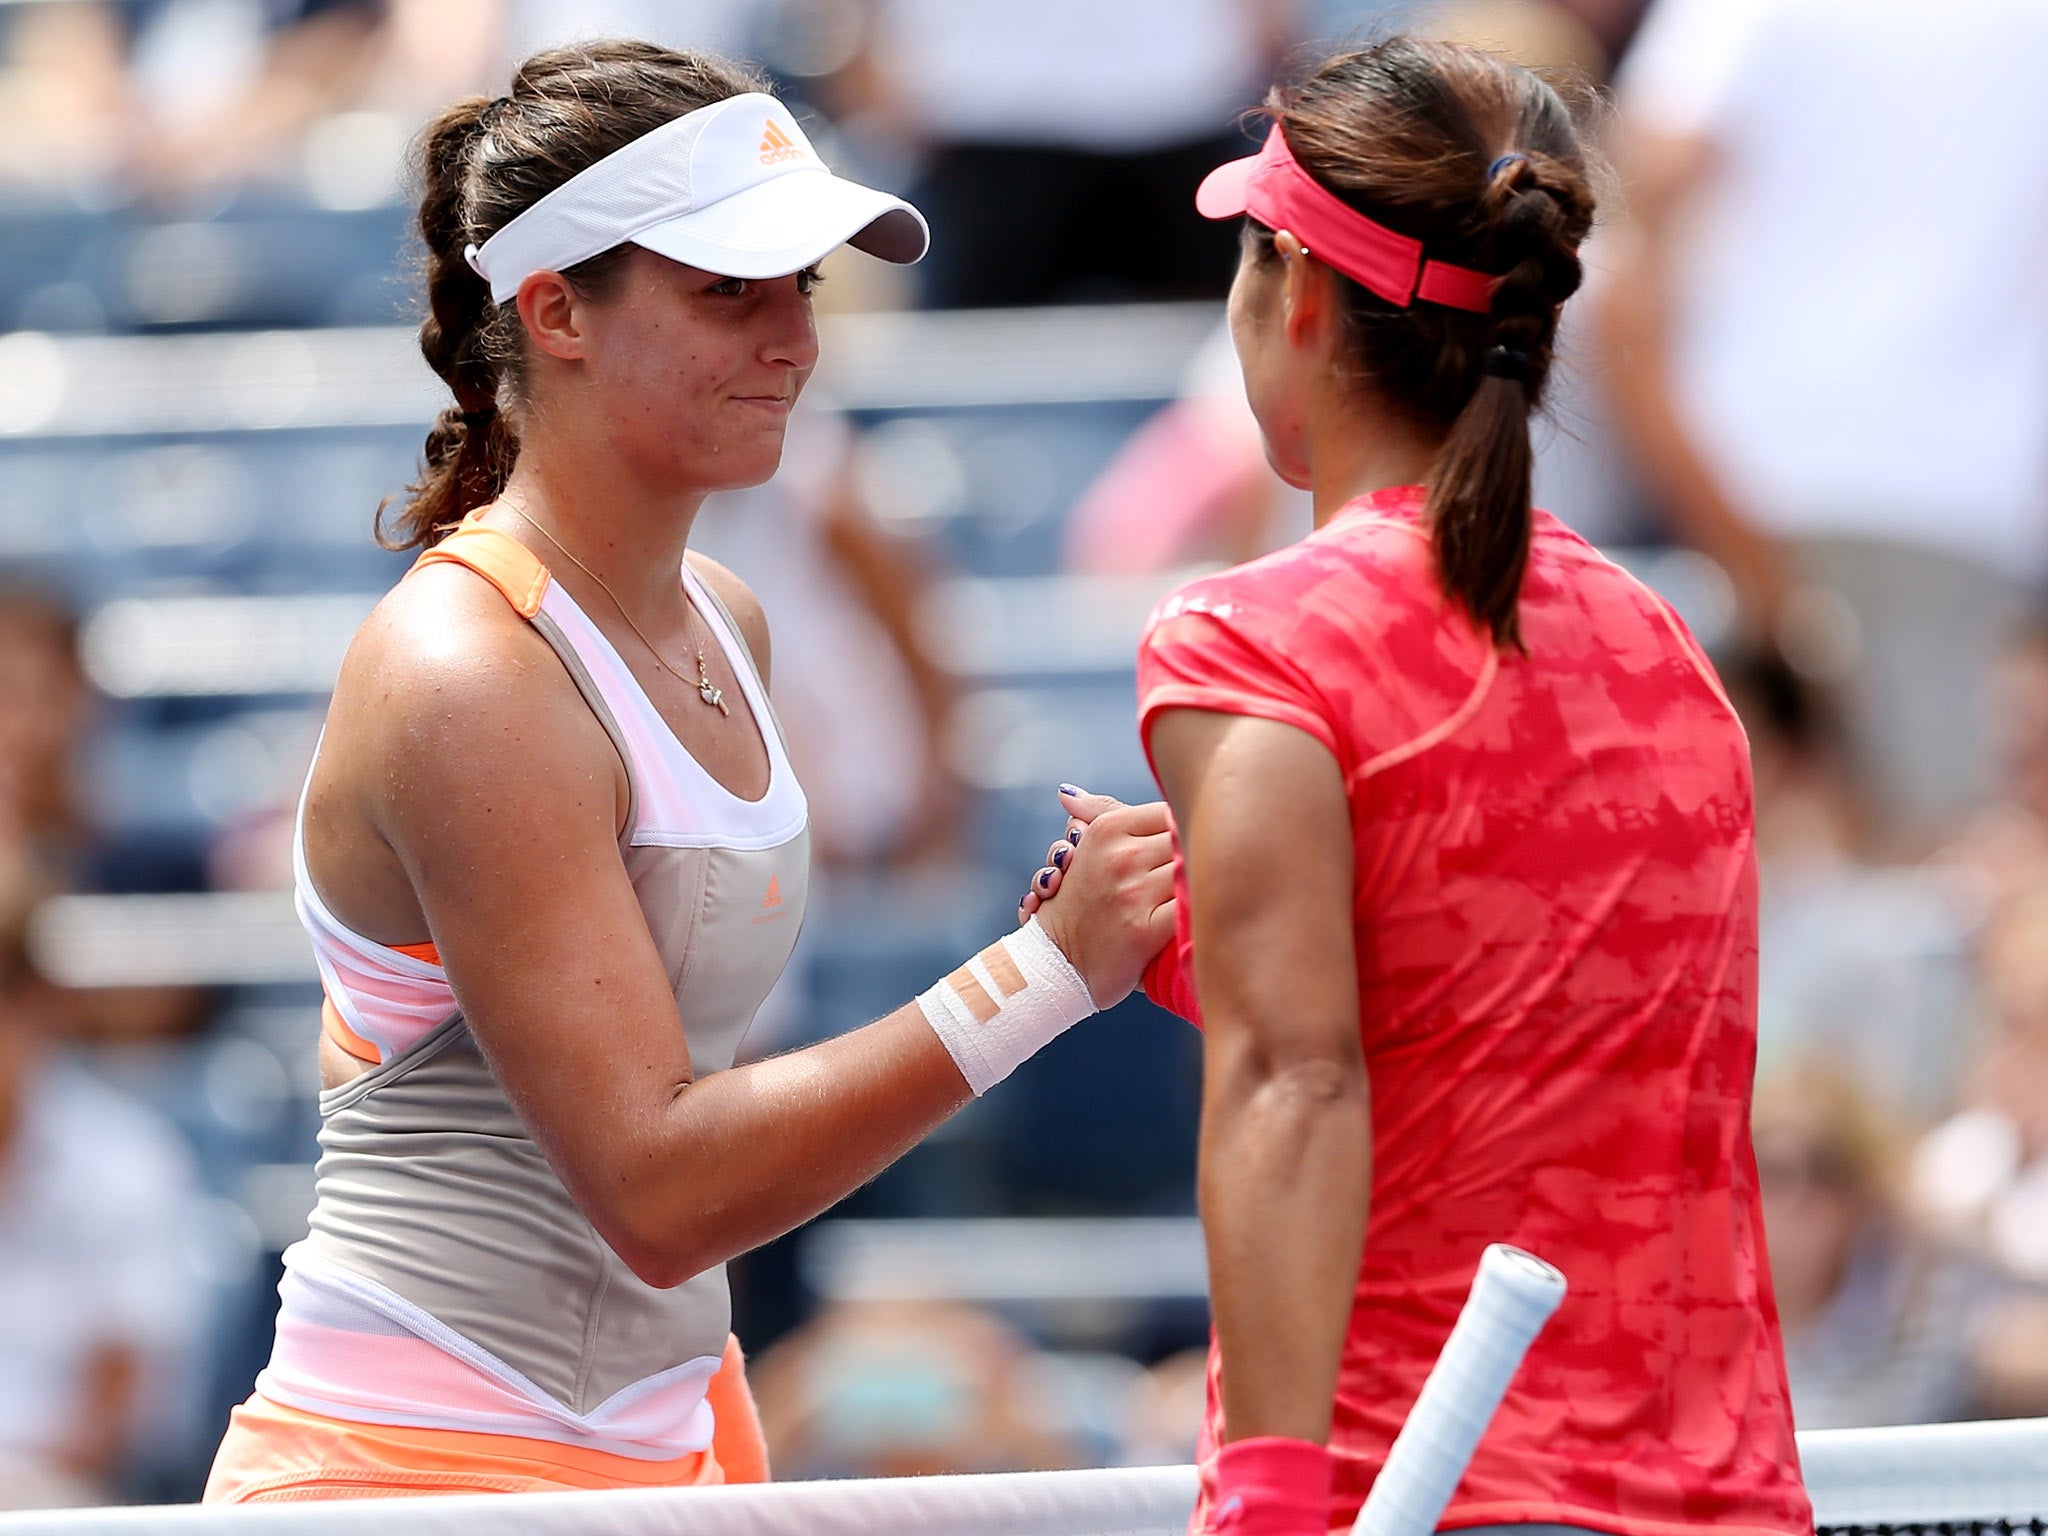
1510 363
1510 158
479 418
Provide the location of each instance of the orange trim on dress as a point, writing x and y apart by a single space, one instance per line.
335 1027
500 559
737 1443
272 1454
337 1030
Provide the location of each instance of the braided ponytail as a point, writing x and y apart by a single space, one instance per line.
470 449
1480 161
1479 494
480 164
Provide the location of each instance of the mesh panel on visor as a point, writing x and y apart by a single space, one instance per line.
734 188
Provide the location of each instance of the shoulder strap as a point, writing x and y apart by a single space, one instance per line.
518 574
499 558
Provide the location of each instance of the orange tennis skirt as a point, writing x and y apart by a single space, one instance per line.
272 1454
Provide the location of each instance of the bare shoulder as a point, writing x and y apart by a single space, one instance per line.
740 601
445 685
445 633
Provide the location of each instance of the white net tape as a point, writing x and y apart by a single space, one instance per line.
1959 1473
1138 1501
1928 1474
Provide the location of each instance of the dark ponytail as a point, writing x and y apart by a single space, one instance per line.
1479 496
480 164
1478 159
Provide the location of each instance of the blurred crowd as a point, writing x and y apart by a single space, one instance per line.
1807 392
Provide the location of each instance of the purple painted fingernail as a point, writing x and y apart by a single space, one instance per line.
1045 879
1074 836
1059 858
1070 790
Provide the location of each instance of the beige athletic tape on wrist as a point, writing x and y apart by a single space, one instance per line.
1001 1007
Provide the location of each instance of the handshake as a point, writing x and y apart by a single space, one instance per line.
1105 895
1099 916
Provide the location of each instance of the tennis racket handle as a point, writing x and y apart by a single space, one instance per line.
1512 1298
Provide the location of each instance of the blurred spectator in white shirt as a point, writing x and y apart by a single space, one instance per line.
1831 343
96 1293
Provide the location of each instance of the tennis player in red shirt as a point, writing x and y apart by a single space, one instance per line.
1467 874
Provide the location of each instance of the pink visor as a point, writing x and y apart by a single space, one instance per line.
1272 187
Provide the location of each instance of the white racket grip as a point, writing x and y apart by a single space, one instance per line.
1512 1297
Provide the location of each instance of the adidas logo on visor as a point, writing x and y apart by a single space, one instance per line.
777 146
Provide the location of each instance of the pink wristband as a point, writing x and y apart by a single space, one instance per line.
1272 1486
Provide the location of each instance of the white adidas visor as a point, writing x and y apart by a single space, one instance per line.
733 188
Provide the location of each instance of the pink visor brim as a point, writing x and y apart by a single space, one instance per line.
1273 188
1223 191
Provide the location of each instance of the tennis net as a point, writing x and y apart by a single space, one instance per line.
1938 1480
1929 1480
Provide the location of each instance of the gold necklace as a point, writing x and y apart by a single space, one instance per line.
707 690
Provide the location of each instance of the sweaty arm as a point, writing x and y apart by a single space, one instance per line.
1286 1142
499 795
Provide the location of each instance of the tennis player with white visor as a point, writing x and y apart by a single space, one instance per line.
551 854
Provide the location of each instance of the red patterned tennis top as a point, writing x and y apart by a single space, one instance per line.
1555 908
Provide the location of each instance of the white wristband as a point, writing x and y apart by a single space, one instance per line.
997 1010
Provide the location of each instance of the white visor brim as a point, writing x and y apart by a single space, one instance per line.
788 223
